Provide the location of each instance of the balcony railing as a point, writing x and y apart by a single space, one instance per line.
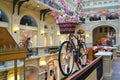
88 19
54 5
41 51
86 71
100 18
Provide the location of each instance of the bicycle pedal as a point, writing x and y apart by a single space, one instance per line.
84 65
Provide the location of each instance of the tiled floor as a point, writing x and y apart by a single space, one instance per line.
116 69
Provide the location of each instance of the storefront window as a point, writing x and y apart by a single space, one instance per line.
100 30
106 29
28 20
3 16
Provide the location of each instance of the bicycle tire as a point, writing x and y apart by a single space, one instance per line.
78 63
84 54
84 47
66 47
82 60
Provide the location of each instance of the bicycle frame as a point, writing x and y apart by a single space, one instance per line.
71 37
77 47
72 49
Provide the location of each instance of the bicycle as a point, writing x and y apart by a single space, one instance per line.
69 53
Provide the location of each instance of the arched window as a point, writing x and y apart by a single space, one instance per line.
28 20
3 16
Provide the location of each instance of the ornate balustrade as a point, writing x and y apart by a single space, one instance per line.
38 51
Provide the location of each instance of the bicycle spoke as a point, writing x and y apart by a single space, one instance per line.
82 60
66 59
72 51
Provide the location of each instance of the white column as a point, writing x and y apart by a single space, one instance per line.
89 39
41 40
48 40
107 64
118 42
15 22
41 34
38 34
57 40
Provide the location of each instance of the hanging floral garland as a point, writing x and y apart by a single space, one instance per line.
78 2
52 0
65 6
65 18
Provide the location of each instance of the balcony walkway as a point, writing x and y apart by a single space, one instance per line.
116 69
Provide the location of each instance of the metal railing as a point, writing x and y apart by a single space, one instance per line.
87 70
36 51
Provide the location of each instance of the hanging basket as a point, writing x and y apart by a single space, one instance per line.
66 28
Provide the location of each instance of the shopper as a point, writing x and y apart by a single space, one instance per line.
23 43
28 43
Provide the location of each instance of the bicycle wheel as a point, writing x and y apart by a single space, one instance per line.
82 56
84 47
66 58
83 50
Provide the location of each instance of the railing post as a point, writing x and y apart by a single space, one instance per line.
107 64
114 51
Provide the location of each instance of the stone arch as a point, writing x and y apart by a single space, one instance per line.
52 66
32 71
103 38
28 19
51 60
89 29
27 12
101 24
33 65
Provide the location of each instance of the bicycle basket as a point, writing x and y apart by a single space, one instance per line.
66 28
